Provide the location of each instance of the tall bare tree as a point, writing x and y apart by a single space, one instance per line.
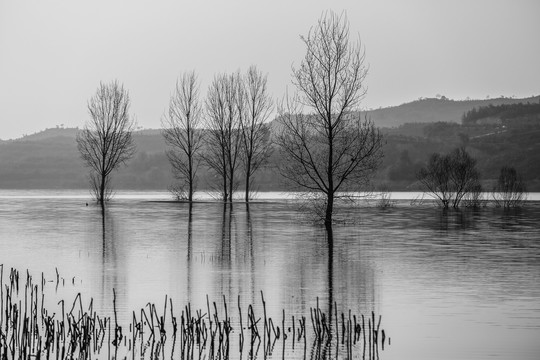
327 146
223 140
182 132
106 141
255 130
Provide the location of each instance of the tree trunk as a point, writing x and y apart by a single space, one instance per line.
330 174
231 181
248 171
102 191
329 209
231 177
190 195
225 192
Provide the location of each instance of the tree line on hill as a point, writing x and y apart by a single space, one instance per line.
503 112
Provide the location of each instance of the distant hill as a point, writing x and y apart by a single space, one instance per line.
50 133
434 110
70 133
496 135
50 159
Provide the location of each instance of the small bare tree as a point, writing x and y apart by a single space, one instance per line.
464 176
475 197
223 141
256 147
436 180
510 190
106 141
326 146
181 130
449 178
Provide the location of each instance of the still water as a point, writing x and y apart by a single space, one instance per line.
448 285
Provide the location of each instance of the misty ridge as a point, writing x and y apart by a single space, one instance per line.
411 132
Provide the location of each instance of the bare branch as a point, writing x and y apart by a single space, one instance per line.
255 105
325 144
181 131
224 111
106 141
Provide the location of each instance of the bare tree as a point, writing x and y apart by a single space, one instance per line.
463 175
474 198
435 178
255 130
331 148
181 130
449 178
510 190
106 141
223 140
215 154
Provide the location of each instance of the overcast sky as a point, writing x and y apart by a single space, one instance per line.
53 54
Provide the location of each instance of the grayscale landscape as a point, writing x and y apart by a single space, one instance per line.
239 180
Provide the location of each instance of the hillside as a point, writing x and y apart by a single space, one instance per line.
496 135
434 110
50 159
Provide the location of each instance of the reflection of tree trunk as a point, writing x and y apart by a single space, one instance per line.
224 228
189 250
108 256
233 236
249 235
229 233
330 241
103 248
327 351
189 232
226 231
443 219
322 343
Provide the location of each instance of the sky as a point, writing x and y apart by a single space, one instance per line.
54 54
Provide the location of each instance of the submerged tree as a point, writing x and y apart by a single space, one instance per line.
255 131
449 178
223 141
435 178
510 190
106 141
475 197
326 146
464 176
181 130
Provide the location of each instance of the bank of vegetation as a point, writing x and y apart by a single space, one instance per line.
34 325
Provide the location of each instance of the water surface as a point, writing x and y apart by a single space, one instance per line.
449 285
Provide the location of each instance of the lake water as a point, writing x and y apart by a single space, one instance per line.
448 285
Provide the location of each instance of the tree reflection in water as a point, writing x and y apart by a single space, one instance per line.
222 330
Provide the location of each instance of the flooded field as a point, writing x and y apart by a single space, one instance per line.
447 285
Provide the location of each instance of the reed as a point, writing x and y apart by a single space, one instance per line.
30 329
